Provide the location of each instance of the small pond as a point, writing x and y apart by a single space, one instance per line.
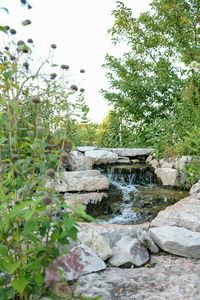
136 195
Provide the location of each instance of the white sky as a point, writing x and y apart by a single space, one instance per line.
79 29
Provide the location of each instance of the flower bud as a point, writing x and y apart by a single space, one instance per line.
35 99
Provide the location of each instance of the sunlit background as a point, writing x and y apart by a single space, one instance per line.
79 29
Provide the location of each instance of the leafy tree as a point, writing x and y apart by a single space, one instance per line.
147 82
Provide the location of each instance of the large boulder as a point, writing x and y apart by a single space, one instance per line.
79 181
195 189
102 157
128 251
185 213
166 277
168 176
79 261
177 240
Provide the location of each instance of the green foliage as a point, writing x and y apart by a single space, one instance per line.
155 86
39 114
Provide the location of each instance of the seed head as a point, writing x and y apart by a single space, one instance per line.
12 57
20 42
26 22
13 31
51 173
26 65
14 157
7 48
74 87
7 27
35 99
53 46
30 41
82 71
47 200
64 67
53 76
24 49
29 6
23 2
82 90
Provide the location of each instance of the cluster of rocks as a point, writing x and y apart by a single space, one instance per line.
83 185
176 230
171 171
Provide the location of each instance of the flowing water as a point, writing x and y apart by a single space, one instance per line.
141 196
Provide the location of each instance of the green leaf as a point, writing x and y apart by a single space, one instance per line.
20 284
7 75
10 268
6 293
4 251
39 280
29 227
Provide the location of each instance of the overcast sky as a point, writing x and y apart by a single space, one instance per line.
79 28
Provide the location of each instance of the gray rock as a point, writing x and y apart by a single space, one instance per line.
177 240
84 199
168 176
128 251
98 243
102 156
184 213
79 261
167 277
132 152
195 189
78 181
123 160
86 148
145 239
80 162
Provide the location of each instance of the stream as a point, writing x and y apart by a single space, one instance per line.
138 195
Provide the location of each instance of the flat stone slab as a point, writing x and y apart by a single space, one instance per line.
166 278
131 152
80 181
177 240
85 199
102 157
83 149
184 213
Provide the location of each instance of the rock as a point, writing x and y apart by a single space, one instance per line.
154 163
145 239
86 148
78 181
166 277
132 152
135 161
85 199
185 213
102 157
95 203
123 160
168 176
98 243
195 189
128 251
80 162
182 162
79 261
113 232
177 240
